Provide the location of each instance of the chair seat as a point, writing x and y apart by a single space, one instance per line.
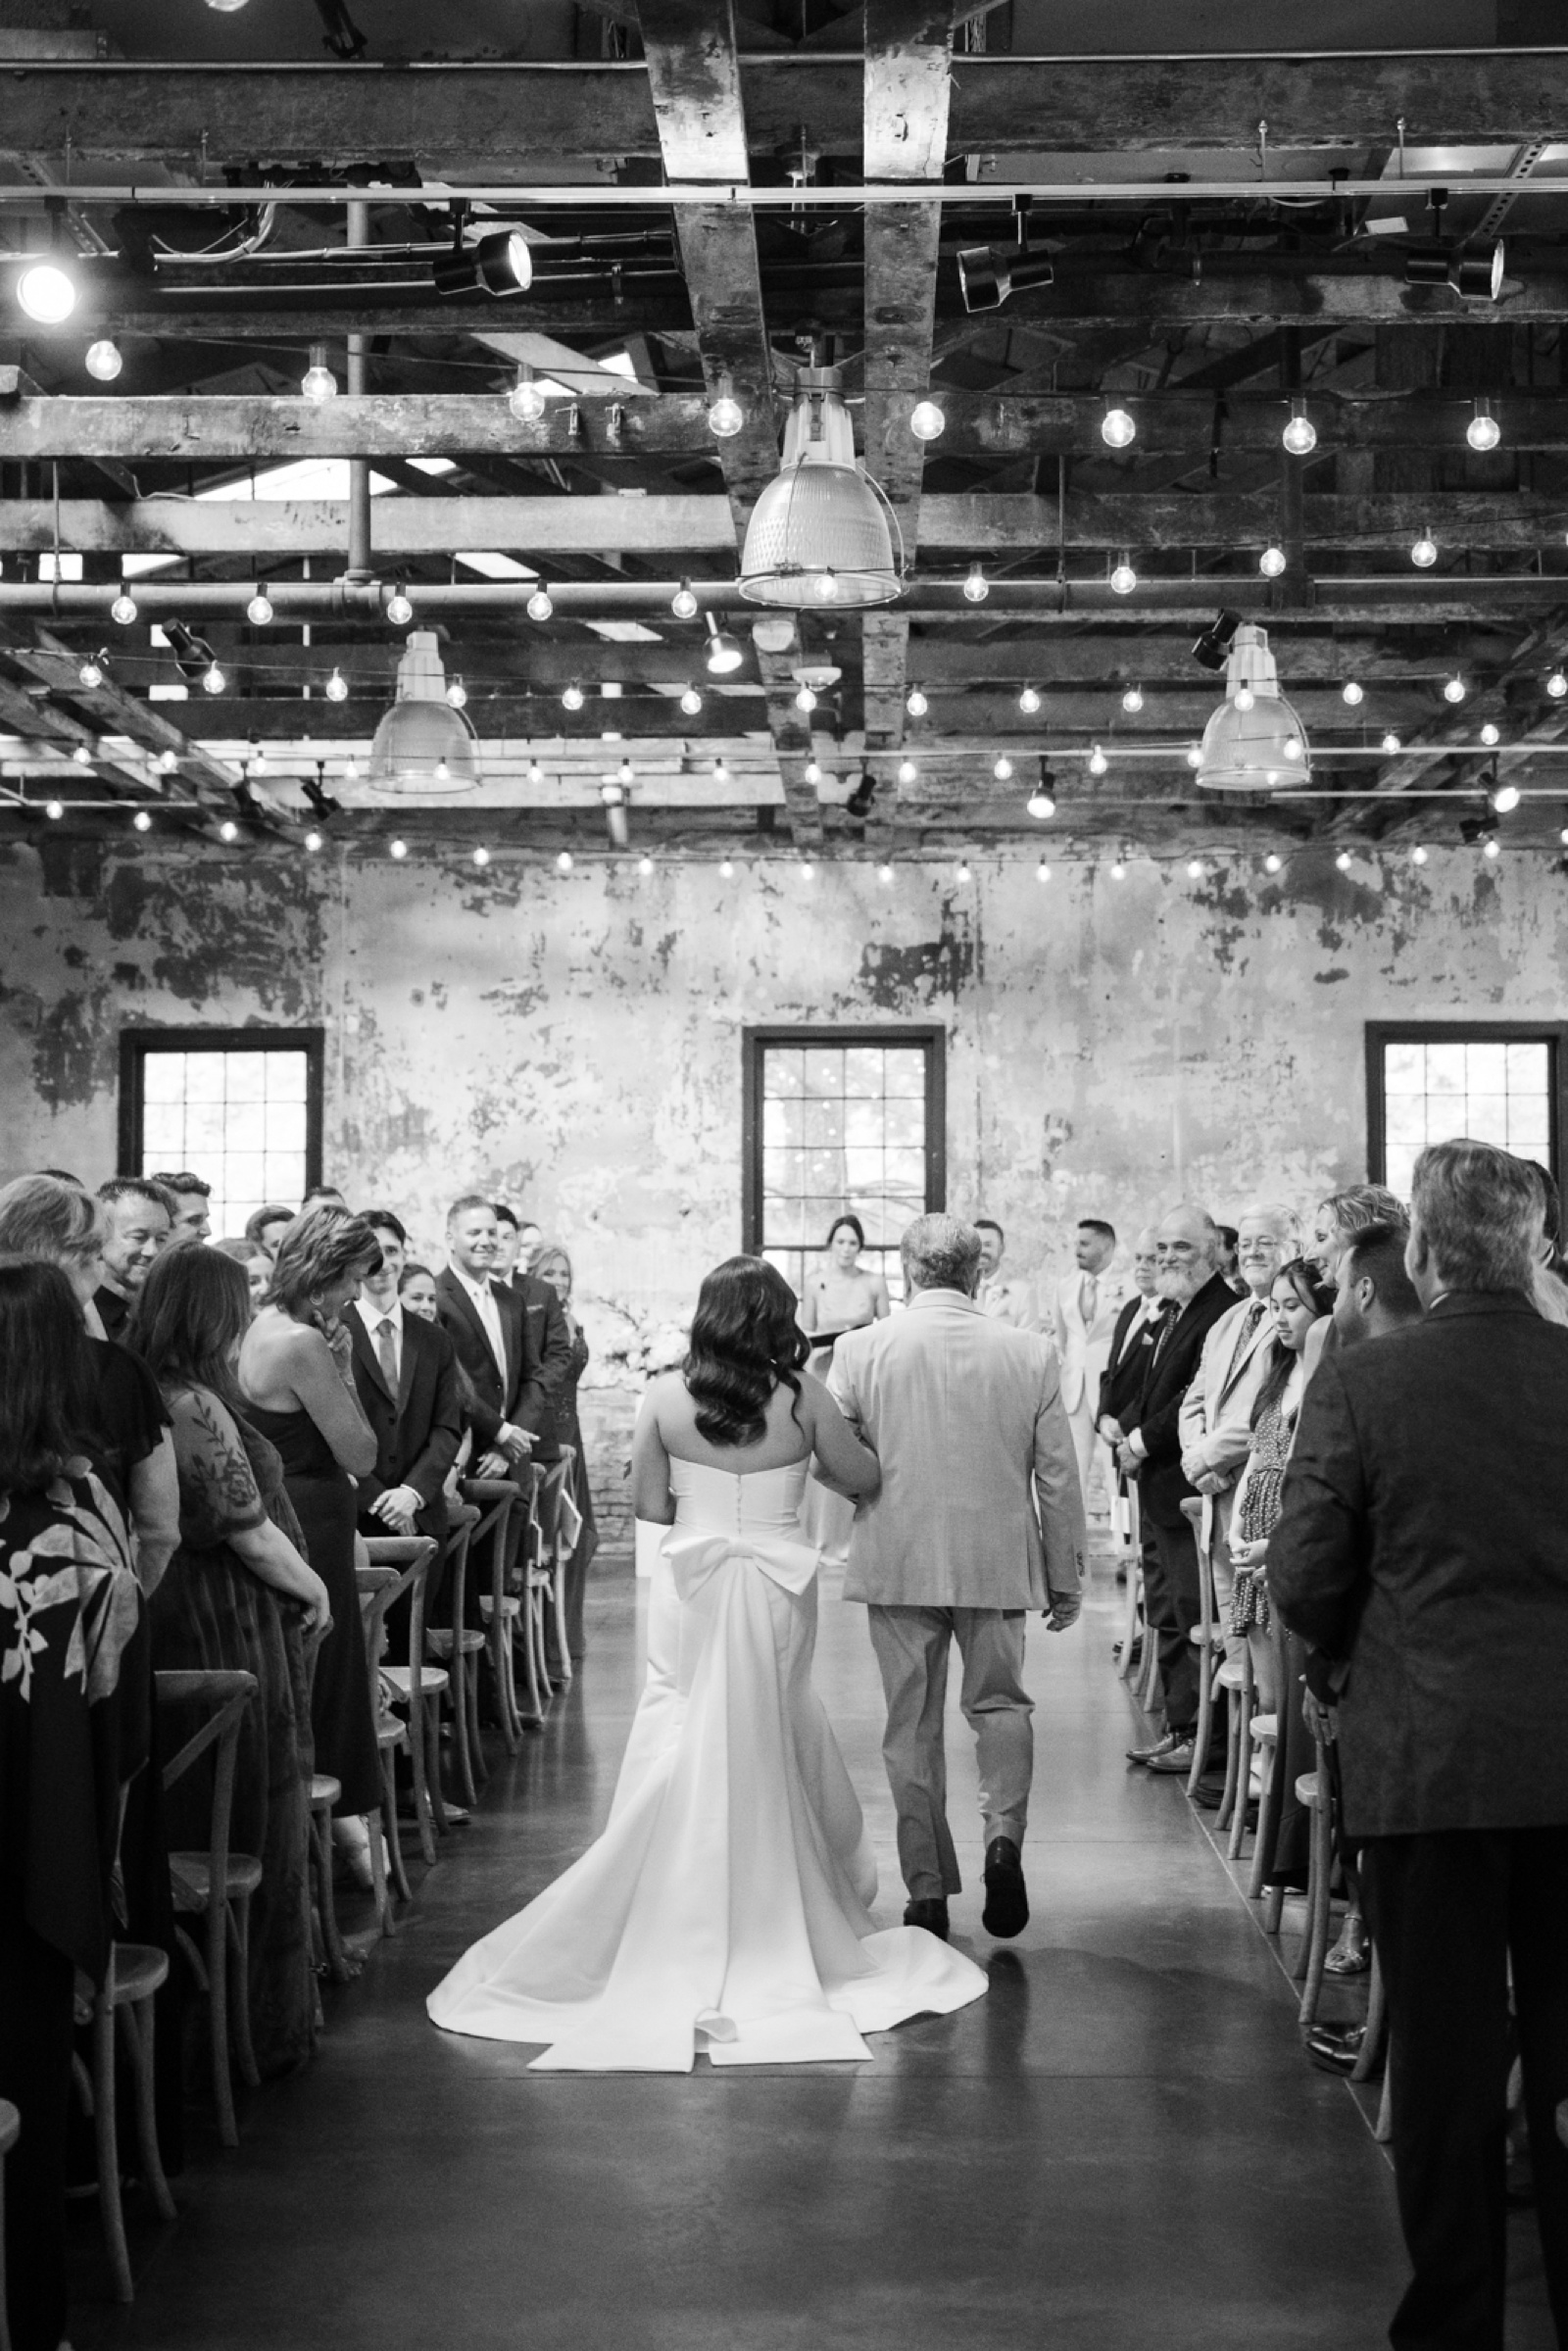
191 1874
512 1605
439 1641
324 1791
141 1968
1231 1675
1216 1638
399 1680
1265 1728
390 1732
1307 1789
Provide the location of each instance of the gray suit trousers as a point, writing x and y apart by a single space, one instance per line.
911 1651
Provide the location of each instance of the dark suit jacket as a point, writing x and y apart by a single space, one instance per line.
519 1396
1161 1488
1121 1383
114 1311
1422 1537
418 1429
552 1344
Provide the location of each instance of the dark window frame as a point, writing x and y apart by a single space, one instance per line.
1380 1034
931 1036
136 1044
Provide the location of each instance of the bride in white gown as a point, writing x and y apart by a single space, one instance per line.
724 1909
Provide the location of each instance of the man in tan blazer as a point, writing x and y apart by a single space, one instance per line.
979 1518
1084 1306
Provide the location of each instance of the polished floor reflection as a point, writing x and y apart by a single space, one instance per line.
1121 2146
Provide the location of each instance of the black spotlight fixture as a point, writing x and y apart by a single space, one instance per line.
859 803
1476 271
249 806
988 273
319 797
1214 644
1476 829
193 655
500 263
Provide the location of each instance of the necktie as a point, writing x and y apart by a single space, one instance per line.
1091 1295
387 1352
1245 1335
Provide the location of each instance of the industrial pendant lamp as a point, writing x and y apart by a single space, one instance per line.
819 533
1255 741
422 745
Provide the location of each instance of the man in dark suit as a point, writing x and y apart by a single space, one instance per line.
488 1328
1197 1295
406 1373
1422 1542
547 1324
1121 1383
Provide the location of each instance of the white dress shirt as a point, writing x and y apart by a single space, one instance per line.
373 1318
485 1303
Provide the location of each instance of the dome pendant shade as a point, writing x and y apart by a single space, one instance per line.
1255 741
422 745
820 532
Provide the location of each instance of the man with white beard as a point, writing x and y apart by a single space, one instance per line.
1197 1295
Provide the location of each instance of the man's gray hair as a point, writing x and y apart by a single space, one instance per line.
940 1252
1282 1221
1479 1213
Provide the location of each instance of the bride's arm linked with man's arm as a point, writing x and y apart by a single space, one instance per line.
841 1458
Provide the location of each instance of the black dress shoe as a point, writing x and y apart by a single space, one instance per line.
1007 1910
929 1911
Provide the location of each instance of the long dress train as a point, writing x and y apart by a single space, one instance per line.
724 1908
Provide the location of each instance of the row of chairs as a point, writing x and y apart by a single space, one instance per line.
518 1544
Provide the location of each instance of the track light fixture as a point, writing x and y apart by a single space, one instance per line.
859 803
1041 802
499 263
319 797
612 795
1505 799
723 653
1212 648
1475 271
46 293
988 273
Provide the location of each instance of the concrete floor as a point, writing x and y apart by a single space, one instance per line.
1121 2146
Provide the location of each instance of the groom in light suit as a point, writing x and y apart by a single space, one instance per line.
979 1518
1085 1306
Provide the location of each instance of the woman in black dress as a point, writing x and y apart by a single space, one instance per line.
296 1383
553 1265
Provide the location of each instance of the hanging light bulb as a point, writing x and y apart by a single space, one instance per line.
1353 693
123 609
1001 767
536 774
1118 872
81 754
1194 870
396 848
1246 699
691 702
350 769
1271 562
1273 861
1042 871
1557 685
571 696
1028 702
104 362
443 773
726 866
645 866
1490 734
46 293
1483 432
540 604
1133 700
1301 433
259 611
1505 799
915 702
399 611
1117 428
805 698
907 771
683 604
1040 803
213 679
313 842
1123 578
256 759
167 763
961 873
1419 856
54 810
481 855
1343 860
727 418
1391 742
926 420
565 861
813 773
91 671
977 587
1454 689
805 869
884 873
319 382
1194 754
1097 761
337 687
457 694
1491 849
1424 552
721 771
142 821
625 773
525 400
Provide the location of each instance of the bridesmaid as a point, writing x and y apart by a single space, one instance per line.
553 1265
842 1297
297 1380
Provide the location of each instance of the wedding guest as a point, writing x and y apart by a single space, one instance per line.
322 1195
547 1326
1376 1294
1547 1287
1084 1310
1421 1543
1343 1215
1298 1298
843 1294
416 1289
1197 1295
490 1331
239 1594
296 1383
406 1373
1217 1411
192 1218
554 1266
1230 1242
139 1217
1122 1379
258 1268
1005 1301
266 1229
70 1739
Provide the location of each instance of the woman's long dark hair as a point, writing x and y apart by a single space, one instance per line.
1312 1291
193 1305
48 1387
745 1342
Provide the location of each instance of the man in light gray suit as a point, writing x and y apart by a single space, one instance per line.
979 1518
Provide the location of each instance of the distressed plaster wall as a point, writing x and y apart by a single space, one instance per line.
574 1043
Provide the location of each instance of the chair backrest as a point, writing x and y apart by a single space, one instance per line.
495 1499
548 1495
462 1520
408 1560
228 1692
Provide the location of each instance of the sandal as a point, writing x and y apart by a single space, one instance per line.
1352 1955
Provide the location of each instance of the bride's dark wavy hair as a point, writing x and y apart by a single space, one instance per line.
745 1342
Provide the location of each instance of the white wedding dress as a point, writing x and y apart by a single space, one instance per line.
723 1910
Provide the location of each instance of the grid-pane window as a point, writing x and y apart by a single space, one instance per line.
843 1123
1499 1088
243 1116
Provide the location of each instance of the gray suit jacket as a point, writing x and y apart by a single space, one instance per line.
966 1418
